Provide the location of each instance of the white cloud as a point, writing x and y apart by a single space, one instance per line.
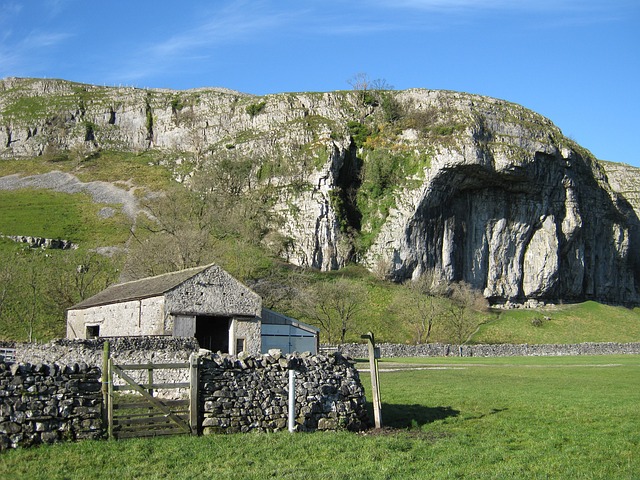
39 40
217 31
506 5
237 23
28 56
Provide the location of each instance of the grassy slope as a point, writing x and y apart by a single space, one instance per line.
74 217
532 418
584 322
140 169
51 214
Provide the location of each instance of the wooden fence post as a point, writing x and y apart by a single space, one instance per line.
110 404
375 380
106 352
193 393
150 380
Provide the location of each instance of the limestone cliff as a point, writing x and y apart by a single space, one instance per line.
469 187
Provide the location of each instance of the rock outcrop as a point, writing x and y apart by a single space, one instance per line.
547 227
44 243
470 188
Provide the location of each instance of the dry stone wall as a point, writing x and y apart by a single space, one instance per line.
251 393
124 351
390 350
40 242
48 403
53 392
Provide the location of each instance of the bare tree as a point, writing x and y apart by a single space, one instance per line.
29 305
229 174
369 91
220 216
360 81
177 236
334 306
427 304
462 319
381 84
279 289
79 276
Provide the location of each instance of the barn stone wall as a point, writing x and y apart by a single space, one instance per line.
250 331
213 292
135 317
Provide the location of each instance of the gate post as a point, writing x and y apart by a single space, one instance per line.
105 383
193 393
375 379
110 405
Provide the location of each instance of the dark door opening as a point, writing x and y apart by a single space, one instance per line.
212 333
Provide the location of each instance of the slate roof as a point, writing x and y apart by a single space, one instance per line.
139 289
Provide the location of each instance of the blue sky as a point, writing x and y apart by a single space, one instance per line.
575 61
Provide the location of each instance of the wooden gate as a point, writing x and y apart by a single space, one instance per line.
133 407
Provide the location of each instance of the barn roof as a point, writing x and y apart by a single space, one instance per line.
139 289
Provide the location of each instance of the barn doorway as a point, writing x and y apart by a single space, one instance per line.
212 333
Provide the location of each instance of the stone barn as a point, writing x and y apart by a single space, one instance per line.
205 302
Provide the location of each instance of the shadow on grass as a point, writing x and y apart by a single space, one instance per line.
411 416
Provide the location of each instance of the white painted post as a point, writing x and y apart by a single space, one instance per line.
292 400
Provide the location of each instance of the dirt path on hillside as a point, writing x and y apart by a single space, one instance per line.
101 192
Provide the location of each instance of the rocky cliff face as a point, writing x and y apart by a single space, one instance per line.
468 187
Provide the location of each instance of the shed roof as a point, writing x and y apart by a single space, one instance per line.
269 317
139 289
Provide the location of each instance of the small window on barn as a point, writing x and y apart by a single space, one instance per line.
93 331
239 345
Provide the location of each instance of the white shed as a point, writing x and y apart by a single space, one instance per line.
287 334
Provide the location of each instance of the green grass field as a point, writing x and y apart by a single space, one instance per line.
504 418
577 323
